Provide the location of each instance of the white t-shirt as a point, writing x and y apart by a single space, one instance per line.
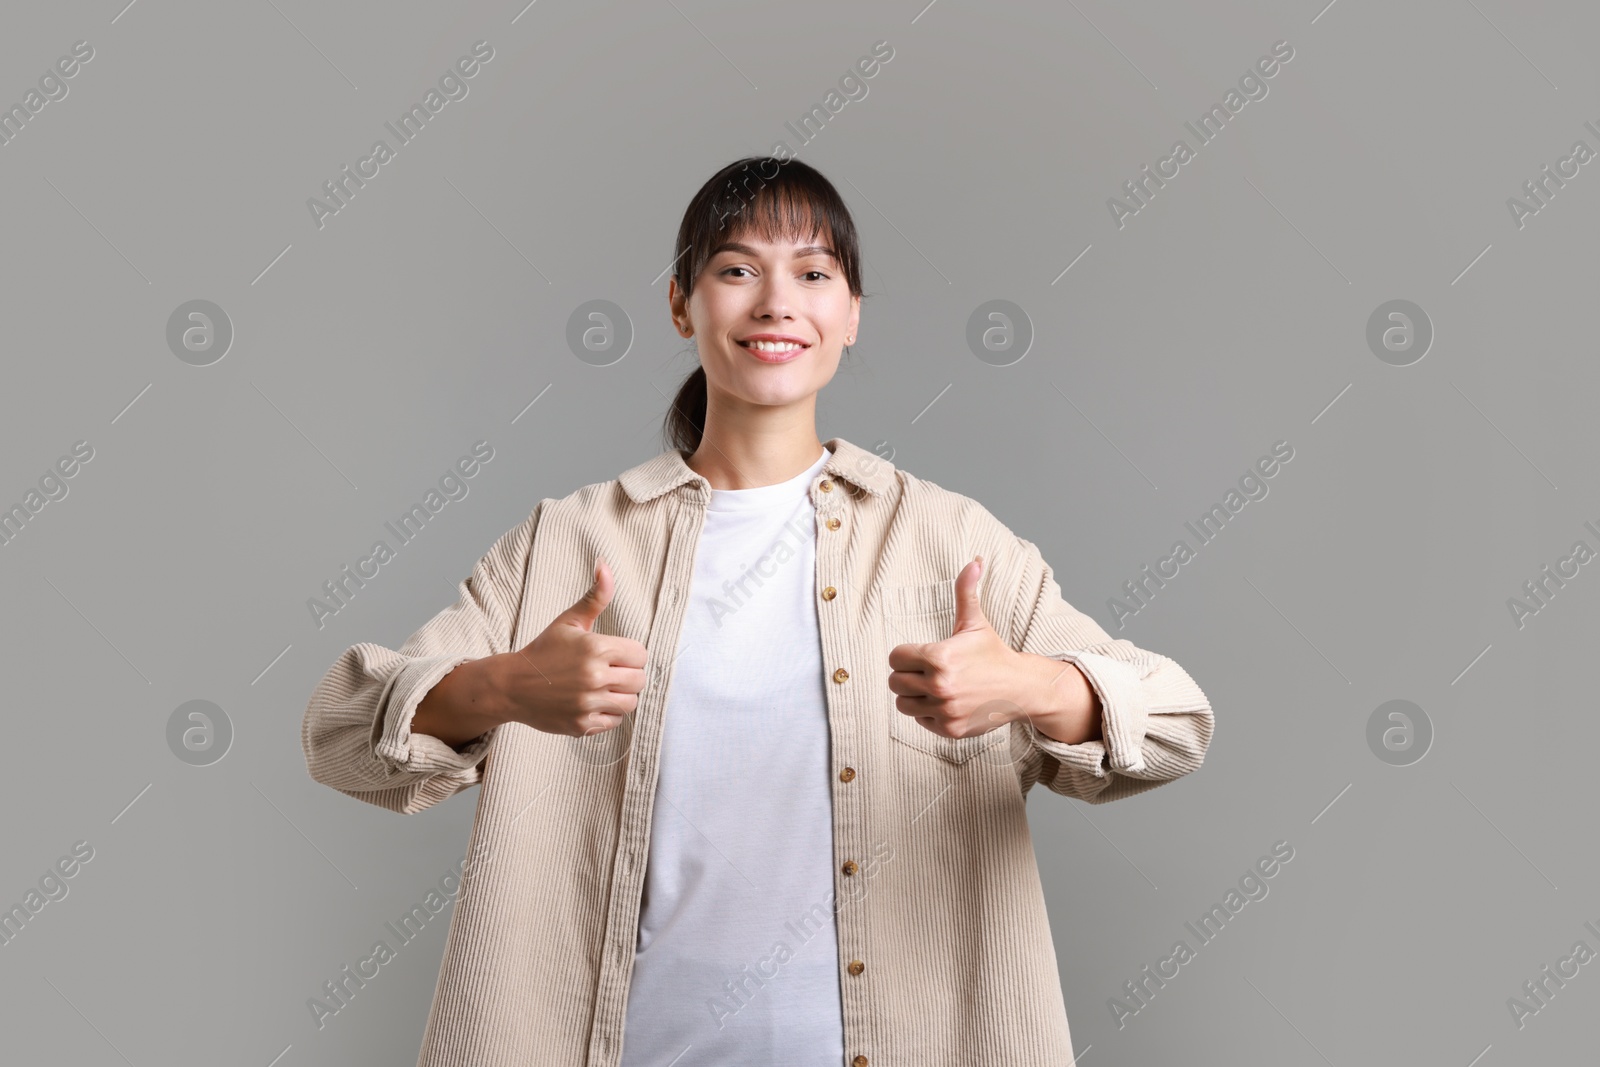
737 960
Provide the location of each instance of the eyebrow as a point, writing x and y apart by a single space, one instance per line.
799 253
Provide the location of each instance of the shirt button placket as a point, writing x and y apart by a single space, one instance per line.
846 774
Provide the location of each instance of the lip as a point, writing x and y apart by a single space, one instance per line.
775 357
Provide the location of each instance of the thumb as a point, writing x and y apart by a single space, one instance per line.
969 611
589 606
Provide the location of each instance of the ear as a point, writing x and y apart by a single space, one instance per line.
678 308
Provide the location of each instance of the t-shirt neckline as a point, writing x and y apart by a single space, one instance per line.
767 496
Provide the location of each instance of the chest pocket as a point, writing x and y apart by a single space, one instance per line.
914 614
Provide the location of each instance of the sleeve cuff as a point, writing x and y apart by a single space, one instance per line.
1123 718
399 748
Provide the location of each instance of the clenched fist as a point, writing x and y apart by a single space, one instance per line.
570 680
973 682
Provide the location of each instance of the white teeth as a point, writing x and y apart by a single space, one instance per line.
773 346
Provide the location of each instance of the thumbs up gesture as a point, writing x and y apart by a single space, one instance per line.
970 682
570 680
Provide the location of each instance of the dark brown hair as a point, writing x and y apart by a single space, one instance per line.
773 198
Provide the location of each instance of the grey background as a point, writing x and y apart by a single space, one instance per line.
1228 314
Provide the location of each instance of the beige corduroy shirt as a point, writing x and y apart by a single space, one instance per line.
942 931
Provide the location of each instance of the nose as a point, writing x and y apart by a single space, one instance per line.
775 300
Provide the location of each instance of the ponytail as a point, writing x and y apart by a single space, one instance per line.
686 420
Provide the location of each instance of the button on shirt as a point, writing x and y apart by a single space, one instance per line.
737 962
939 893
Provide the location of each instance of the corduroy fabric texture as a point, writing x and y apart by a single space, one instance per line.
943 904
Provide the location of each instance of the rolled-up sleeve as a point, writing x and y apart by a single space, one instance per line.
1156 724
357 728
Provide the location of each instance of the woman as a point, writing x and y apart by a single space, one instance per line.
754 721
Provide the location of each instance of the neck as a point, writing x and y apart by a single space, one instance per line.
732 457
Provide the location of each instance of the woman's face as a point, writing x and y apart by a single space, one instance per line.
790 297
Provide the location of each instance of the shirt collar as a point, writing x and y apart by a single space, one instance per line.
849 463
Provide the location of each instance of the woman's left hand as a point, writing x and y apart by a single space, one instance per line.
973 682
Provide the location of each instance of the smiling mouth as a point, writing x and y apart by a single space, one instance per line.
773 351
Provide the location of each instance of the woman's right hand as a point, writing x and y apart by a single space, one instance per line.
570 680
